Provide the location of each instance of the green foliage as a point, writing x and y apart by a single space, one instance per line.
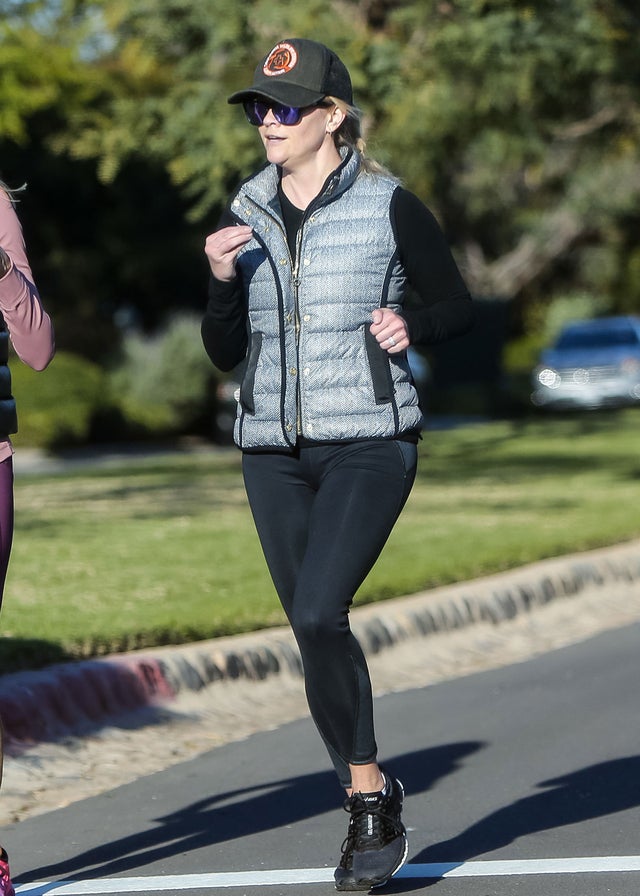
518 124
37 73
95 248
524 110
568 308
543 325
169 69
162 380
57 405
160 386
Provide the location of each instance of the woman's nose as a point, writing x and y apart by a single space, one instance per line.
269 118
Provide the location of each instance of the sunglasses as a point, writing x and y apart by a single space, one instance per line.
256 111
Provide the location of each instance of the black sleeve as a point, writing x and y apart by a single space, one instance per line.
224 326
445 309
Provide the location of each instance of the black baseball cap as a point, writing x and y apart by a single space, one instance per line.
298 72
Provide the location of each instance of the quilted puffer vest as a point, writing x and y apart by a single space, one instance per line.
313 368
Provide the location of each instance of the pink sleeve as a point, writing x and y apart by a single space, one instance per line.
29 325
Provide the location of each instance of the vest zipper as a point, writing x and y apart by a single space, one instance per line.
296 281
297 326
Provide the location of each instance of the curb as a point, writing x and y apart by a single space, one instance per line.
76 698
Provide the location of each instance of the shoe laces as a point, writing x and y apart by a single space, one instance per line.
369 823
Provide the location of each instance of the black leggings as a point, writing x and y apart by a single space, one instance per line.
323 515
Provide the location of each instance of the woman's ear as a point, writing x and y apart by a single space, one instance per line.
335 119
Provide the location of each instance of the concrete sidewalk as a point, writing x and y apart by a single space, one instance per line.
78 698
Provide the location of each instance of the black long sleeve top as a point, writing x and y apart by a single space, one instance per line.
444 310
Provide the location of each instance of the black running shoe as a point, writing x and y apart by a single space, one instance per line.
343 875
376 843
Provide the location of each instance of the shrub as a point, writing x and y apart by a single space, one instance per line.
163 381
161 385
56 406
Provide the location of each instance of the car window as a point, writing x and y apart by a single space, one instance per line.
597 338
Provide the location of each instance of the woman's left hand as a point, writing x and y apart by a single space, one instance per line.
390 330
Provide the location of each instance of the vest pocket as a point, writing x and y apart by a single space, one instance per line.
248 380
380 369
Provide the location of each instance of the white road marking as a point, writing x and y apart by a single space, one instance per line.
223 880
586 865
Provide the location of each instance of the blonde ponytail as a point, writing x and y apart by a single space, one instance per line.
350 134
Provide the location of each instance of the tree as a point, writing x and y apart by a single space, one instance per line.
101 249
518 124
521 121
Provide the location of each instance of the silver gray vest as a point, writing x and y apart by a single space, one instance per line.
313 369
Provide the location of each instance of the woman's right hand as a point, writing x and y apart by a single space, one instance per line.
222 249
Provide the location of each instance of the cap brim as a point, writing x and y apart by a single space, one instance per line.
287 94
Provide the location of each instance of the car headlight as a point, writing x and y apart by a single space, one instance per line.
548 377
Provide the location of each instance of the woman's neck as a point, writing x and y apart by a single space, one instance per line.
302 184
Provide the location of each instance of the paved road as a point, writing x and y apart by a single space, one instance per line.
521 779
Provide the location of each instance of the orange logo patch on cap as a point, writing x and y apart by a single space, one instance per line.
280 60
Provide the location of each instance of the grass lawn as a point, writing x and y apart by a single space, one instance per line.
164 550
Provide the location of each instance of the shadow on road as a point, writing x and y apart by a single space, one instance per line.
234 814
588 793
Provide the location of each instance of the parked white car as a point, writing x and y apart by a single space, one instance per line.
593 364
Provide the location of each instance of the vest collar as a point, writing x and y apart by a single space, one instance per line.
262 188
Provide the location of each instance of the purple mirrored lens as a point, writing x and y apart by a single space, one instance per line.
256 111
287 114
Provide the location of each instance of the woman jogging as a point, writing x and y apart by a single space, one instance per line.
24 321
310 266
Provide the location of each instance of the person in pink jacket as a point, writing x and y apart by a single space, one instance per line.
24 321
